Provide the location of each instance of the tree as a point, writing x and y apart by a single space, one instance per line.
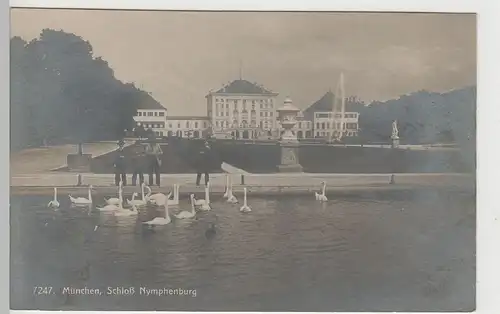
60 92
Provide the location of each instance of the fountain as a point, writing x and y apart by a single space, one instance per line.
288 141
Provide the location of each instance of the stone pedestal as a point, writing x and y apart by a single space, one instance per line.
79 162
289 157
395 142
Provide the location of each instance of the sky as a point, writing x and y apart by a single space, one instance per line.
180 56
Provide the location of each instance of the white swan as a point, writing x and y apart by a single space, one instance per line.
226 192
160 220
115 200
245 208
143 201
175 200
113 207
82 200
159 198
125 212
231 198
205 204
187 214
321 197
54 203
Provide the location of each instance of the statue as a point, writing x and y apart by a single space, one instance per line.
395 131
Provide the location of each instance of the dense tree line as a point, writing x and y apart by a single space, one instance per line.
61 93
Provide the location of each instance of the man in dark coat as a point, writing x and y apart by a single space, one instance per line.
120 164
203 162
138 162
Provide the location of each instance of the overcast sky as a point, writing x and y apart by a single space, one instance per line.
180 56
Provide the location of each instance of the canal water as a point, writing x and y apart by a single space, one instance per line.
390 252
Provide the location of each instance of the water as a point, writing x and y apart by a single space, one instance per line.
414 252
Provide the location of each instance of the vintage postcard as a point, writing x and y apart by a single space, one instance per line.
242 161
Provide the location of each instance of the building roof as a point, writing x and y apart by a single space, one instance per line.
323 104
187 118
149 103
244 87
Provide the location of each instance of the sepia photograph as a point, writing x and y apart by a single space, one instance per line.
242 161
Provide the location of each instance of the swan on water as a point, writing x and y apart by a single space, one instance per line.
145 198
204 204
160 220
321 196
113 207
175 200
245 208
226 192
54 203
82 200
159 198
187 214
115 200
231 198
125 212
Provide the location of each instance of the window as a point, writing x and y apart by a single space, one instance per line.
328 125
178 125
150 114
162 114
156 114
270 114
205 124
227 106
322 115
139 114
261 114
187 124
170 125
217 123
196 125
317 125
323 125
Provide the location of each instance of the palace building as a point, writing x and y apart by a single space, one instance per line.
242 109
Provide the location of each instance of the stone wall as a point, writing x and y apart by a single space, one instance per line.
264 158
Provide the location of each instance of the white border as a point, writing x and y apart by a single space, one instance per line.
488 114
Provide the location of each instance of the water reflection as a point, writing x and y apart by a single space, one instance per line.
350 254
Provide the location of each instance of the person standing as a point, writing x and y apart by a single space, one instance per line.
120 164
138 164
153 155
203 163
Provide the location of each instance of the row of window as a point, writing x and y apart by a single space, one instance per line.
188 125
244 101
338 115
244 123
326 126
305 125
151 114
327 134
244 112
152 125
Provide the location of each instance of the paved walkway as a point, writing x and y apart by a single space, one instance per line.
44 159
264 183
